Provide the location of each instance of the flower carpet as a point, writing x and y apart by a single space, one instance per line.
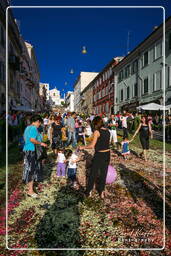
130 216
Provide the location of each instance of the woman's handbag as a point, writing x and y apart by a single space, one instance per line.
40 152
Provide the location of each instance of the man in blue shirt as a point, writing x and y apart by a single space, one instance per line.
71 130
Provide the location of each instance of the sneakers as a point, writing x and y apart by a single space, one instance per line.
74 184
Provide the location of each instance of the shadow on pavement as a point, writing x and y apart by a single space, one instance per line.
59 227
139 187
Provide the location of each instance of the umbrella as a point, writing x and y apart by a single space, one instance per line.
152 106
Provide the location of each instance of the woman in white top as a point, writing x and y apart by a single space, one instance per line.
51 121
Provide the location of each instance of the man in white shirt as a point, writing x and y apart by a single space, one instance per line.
112 124
45 122
124 125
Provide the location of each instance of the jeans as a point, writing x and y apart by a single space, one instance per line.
125 132
76 133
72 135
72 174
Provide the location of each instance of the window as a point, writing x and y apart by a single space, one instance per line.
135 90
108 73
127 92
2 37
2 71
169 76
170 41
107 90
146 85
158 80
120 78
134 67
107 107
127 71
145 59
157 51
122 95
54 94
18 88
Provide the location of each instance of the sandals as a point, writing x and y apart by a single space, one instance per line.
102 195
88 195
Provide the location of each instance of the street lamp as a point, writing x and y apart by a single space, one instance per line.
84 51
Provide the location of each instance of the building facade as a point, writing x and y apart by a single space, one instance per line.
103 89
54 97
82 81
14 54
34 78
139 77
87 99
42 93
45 92
23 73
69 101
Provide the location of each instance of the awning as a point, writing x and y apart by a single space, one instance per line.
152 106
169 106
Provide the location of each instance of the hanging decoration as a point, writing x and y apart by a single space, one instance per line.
71 71
84 51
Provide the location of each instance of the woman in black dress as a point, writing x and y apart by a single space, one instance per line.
101 159
145 132
56 135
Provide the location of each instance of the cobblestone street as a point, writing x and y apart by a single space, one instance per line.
131 215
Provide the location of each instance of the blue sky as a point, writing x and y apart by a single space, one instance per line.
58 35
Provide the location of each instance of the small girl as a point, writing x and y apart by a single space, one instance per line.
125 147
61 163
72 158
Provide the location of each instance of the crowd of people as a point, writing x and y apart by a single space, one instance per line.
68 134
